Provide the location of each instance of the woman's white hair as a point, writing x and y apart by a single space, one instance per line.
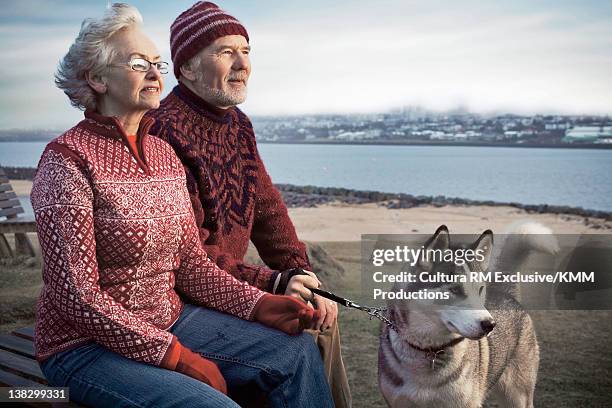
91 53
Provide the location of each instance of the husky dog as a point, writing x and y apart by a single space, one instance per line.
450 355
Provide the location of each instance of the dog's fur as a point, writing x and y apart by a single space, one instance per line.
502 362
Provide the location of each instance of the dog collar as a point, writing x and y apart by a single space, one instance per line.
439 349
433 352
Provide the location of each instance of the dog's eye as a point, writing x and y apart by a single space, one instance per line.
481 290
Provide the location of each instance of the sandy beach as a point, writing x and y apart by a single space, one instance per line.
347 222
21 187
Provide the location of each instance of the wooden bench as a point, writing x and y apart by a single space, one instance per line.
11 222
18 367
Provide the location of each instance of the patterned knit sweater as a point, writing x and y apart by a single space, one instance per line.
119 241
231 192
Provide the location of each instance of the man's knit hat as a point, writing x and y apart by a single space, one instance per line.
196 28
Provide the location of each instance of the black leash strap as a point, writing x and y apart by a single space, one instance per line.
376 312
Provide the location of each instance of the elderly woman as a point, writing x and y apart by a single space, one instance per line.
120 245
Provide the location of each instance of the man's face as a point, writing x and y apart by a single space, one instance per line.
223 72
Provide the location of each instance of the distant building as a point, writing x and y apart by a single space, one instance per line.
361 135
557 126
511 134
471 134
588 134
437 135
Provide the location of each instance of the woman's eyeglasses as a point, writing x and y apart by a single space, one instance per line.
143 65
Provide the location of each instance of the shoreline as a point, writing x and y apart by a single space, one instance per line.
592 146
312 196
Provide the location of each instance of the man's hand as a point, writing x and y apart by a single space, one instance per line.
299 287
328 310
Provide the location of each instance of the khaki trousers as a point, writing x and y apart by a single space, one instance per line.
329 346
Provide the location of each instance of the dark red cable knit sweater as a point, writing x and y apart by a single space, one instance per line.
232 194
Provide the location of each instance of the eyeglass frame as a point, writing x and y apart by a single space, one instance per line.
165 67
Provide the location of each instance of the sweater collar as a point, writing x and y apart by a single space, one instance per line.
110 125
201 106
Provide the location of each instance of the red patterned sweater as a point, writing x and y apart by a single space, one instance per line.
119 241
231 192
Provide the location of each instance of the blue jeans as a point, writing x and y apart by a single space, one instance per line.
287 369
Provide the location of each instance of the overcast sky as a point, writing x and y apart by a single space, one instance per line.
349 56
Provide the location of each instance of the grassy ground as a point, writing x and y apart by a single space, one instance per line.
575 367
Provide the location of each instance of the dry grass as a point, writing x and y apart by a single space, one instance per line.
20 283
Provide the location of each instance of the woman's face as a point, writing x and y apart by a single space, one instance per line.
129 91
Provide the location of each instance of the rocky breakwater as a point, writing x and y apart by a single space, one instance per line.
312 196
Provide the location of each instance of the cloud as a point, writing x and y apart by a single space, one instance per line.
483 58
320 57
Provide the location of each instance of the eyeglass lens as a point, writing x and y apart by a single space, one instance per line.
141 64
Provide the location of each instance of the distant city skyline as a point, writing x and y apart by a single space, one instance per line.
350 56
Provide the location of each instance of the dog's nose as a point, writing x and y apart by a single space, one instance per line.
487 325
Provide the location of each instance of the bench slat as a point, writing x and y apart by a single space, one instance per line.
11 211
10 203
17 345
7 196
5 187
24 219
25 332
19 227
22 366
11 380
4 179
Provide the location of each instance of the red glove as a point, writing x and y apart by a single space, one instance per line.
285 313
182 360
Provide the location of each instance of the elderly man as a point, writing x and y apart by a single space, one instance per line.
232 194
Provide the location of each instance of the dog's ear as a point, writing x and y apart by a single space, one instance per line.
439 241
483 247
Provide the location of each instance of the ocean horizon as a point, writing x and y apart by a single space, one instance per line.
565 177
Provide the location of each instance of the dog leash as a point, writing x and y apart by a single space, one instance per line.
376 312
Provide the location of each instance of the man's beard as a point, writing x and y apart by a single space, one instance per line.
221 97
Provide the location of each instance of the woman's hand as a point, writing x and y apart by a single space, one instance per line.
182 360
285 313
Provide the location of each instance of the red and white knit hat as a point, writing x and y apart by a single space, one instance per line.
196 28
